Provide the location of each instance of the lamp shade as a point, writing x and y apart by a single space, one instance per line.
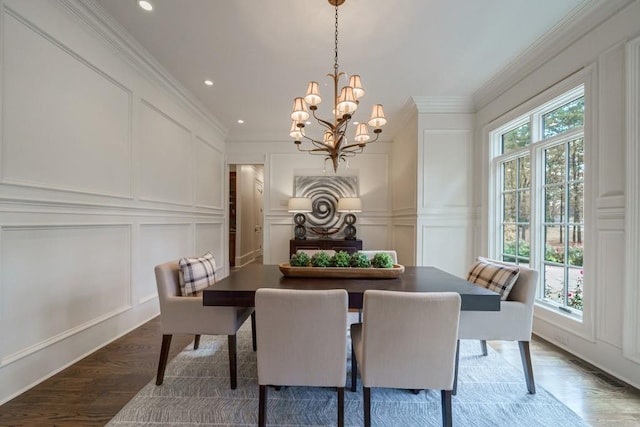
356 84
299 204
362 133
295 131
346 101
299 112
349 204
313 94
377 117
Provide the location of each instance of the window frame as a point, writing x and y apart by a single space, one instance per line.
533 110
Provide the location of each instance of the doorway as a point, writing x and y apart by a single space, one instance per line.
246 214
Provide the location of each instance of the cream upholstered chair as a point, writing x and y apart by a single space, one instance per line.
302 341
407 340
512 323
186 315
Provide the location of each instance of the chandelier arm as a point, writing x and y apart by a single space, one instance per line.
321 145
352 149
321 150
324 123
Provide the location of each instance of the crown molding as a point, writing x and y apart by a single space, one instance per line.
408 111
580 21
92 14
444 104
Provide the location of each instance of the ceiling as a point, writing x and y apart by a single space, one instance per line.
261 54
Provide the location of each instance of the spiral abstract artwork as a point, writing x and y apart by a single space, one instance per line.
324 192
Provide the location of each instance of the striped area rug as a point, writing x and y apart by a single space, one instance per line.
196 392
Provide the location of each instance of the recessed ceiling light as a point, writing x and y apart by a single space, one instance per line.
356 123
240 121
307 123
145 5
208 82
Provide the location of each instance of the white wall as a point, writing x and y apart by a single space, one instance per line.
444 232
600 56
282 162
404 165
106 170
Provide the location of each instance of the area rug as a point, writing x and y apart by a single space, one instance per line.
196 392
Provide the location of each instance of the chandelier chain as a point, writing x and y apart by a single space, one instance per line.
335 65
334 145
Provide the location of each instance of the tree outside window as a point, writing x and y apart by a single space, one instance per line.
554 135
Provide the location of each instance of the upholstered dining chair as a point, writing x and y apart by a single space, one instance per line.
512 323
301 341
186 315
407 340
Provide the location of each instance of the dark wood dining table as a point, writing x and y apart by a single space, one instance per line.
239 288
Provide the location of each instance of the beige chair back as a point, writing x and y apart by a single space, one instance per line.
409 339
301 337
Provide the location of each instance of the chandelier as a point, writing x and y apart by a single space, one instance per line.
334 144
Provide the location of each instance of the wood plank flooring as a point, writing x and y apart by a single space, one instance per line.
92 391
600 399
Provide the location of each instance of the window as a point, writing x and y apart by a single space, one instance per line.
539 174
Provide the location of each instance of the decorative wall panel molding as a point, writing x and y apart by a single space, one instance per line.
73 277
83 138
445 183
209 237
452 252
209 175
166 158
609 294
159 243
631 326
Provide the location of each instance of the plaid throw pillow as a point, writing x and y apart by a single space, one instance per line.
495 277
196 274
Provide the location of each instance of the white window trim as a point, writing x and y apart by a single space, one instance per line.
540 104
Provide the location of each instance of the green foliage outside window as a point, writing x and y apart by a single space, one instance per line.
563 118
516 138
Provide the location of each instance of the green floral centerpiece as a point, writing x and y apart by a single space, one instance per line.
341 259
300 259
341 265
321 259
382 260
359 260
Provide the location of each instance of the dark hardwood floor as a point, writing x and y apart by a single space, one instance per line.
92 391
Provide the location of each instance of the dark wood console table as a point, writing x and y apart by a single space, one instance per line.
337 245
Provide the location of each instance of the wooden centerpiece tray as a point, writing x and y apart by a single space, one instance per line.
342 272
